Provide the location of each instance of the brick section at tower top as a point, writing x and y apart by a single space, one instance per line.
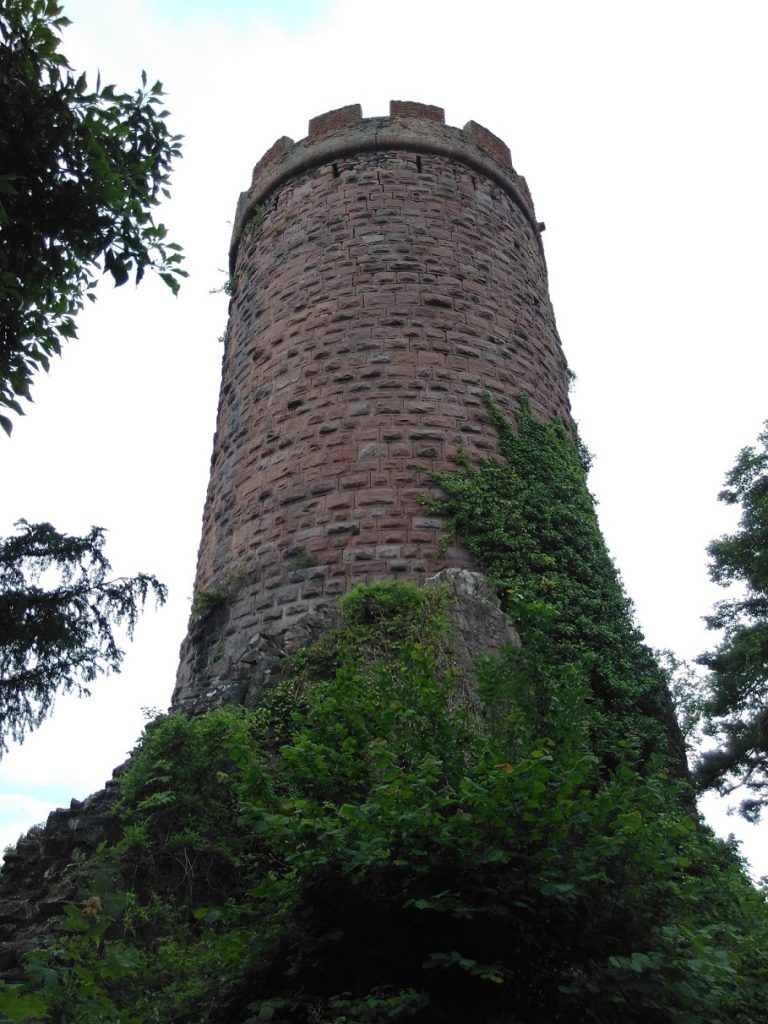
333 122
388 272
422 111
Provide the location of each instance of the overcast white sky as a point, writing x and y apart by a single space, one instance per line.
641 130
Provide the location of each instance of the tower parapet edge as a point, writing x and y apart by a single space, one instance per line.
386 273
412 126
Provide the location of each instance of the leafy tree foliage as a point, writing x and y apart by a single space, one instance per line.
375 844
80 173
58 609
737 708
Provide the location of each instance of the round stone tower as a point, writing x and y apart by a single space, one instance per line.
385 273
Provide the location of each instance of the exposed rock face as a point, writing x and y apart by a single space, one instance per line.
480 629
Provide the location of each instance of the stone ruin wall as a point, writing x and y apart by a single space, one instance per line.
386 272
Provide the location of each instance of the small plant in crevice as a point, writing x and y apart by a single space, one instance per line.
208 599
302 560
229 287
245 228
205 601
255 218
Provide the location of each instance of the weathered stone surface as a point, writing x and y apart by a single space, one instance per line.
480 627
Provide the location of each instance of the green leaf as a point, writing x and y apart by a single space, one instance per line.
93 165
17 1007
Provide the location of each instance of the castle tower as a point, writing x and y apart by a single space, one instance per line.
385 273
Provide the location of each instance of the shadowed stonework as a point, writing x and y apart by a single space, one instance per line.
386 272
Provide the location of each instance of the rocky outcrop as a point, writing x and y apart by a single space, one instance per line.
480 627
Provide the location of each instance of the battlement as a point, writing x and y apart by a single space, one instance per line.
411 126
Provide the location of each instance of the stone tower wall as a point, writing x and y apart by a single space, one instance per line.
386 272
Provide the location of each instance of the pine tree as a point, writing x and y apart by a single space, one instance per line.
736 712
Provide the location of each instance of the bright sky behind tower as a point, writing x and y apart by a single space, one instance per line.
640 128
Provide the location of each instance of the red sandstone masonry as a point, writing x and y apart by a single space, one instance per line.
393 274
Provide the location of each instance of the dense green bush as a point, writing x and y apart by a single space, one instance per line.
385 855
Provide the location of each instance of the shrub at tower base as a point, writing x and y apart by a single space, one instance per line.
377 842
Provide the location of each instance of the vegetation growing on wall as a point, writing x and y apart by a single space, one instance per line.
371 852
361 848
529 520
366 846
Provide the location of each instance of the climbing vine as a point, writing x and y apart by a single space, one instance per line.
529 520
